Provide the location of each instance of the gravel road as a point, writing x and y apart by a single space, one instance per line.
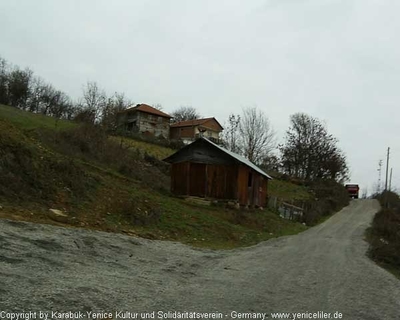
47 268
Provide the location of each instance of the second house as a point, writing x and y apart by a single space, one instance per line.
190 130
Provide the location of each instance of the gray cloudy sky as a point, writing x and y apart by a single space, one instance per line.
338 60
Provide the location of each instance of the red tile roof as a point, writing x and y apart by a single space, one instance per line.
195 122
148 109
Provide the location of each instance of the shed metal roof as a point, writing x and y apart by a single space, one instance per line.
235 156
239 158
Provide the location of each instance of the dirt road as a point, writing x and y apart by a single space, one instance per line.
45 268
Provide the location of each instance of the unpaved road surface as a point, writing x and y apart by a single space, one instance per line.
46 268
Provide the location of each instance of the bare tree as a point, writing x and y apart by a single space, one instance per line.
230 135
47 98
113 106
61 104
185 113
19 88
94 101
271 163
37 95
257 137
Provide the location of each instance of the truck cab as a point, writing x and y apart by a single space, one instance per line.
353 190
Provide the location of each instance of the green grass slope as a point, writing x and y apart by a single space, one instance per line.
29 121
154 150
99 183
288 191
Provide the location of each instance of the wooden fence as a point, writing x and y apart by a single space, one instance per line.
292 211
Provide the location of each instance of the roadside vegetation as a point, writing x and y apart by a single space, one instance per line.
384 233
319 198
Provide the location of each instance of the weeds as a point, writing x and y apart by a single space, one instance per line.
330 197
384 234
93 145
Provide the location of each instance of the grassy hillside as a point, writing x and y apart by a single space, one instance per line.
288 191
30 121
100 183
159 152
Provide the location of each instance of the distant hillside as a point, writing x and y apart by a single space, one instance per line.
105 183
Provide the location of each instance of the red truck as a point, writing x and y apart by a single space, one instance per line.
353 190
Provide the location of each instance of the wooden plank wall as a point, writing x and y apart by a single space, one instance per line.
264 192
242 185
221 181
179 178
197 176
255 194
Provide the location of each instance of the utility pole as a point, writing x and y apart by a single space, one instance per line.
386 202
390 180
387 168
379 176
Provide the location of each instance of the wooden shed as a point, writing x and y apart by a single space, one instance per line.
205 169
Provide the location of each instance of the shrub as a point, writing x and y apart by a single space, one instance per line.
385 243
330 197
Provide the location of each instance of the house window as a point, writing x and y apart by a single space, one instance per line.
131 126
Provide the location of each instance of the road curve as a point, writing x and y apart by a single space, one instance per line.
46 268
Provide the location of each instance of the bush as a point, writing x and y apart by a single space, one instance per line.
389 199
385 243
385 231
330 197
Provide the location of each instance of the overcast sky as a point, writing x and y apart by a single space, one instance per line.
337 60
